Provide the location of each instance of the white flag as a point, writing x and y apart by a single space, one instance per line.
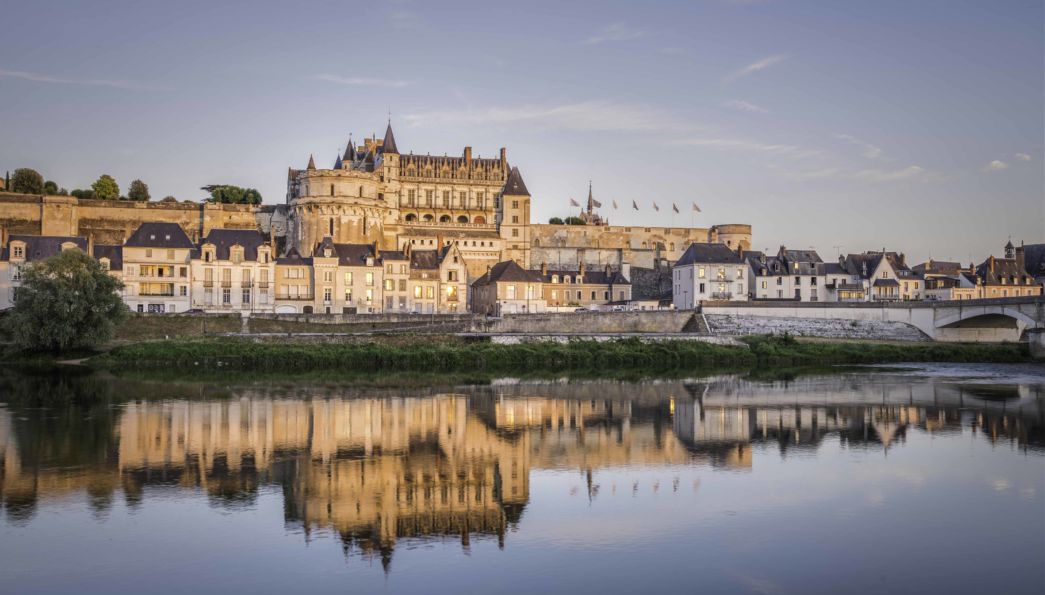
574 203
695 207
598 205
615 204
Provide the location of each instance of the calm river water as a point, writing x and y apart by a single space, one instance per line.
921 480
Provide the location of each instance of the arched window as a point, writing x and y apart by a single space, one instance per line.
444 219
479 219
411 217
429 218
462 219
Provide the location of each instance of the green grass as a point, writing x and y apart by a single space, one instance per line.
430 355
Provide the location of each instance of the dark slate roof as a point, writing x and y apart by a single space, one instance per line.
596 277
1003 268
113 253
709 254
854 264
293 258
322 247
515 186
42 247
224 239
424 259
393 255
801 256
1034 259
834 268
311 163
886 283
354 254
350 152
508 271
389 144
159 235
937 267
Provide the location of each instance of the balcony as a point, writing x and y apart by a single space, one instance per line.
208 282
263 284
297 298
722 295
154 293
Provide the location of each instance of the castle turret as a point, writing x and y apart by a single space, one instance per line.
311 163
514 218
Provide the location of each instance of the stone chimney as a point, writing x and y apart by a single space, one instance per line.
3 236
990 264
1020 259
544 269
625 269
468 155
504 158
377 250
582 267
903 259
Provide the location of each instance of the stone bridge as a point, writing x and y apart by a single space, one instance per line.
987 320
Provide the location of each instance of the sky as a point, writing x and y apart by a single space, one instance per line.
841 126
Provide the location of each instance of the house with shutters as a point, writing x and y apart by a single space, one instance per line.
708 272
233 270
20 251
157 269
507 288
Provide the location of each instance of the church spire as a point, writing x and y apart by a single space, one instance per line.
311 163
389 144
591 200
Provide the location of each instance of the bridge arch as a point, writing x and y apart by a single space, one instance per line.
983 312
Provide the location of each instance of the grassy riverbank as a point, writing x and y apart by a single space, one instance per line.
429 354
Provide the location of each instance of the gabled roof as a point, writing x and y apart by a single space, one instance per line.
508 271
938 267
159 235
42 247
113 252
709 254
514 185
388 145
424 259
354 255
224 239
293 258
854 264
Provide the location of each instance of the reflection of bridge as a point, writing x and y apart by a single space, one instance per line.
987 320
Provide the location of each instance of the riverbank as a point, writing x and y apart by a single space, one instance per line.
431 354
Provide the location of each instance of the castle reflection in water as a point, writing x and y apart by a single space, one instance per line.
380 467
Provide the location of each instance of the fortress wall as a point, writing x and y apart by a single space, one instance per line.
109 221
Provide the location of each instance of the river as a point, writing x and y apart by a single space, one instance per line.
926 479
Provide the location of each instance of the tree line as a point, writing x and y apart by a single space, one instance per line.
30 181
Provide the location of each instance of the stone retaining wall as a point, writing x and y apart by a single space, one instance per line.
587 322
728 324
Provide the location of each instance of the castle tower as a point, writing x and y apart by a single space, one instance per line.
515 219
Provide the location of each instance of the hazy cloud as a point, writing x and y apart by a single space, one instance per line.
996 165
745 145
745 106
45 78
870 151
615 32
755 67
880 175
358 81
910 172
582 116
1023 156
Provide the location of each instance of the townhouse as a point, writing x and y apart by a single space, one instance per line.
708 272
233 271
583 287
156 267
507 288
19 251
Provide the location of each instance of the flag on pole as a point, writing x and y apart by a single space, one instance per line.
655 207
634 205
598 205
614 204
674 207
695 207
574 203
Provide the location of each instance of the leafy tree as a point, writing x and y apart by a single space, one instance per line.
63 192
229 194
27 181
575 221
168 198
555 221
81 193
50 187
65 302
106 188
138 191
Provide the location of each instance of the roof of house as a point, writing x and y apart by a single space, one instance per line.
855 264
293 258
515 186
355 254
1034 259
595 277
113 252
886 283
993 270
424 259
507 272
709 254
834 268
42 247
159 235
393 255
224 239
937 267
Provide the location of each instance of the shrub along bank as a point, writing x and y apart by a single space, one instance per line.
435 356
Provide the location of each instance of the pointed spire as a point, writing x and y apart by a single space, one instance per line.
311 163
389 144
591 200
350 150
515 186
337 163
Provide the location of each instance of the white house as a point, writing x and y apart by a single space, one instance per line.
708 272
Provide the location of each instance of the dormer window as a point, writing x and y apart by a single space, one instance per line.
555 278
17 250
236 254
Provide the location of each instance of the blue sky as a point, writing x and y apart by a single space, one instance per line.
917 126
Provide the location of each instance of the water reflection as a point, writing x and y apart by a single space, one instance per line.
379 467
